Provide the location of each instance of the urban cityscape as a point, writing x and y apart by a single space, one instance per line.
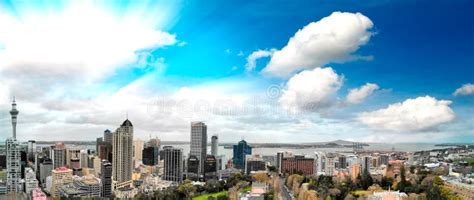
130 100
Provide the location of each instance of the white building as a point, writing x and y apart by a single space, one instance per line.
30 180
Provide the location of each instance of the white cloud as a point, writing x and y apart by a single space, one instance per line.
311 90
417 114
331 39
466 89
357 95
254 56
82 42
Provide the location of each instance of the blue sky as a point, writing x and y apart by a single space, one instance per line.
76 68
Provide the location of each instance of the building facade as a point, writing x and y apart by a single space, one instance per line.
122 159
173 164
199 143
214 145
298 164
240 151
106 178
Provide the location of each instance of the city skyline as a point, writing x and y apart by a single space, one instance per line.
341 71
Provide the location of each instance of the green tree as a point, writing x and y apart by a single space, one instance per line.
212 186
187 188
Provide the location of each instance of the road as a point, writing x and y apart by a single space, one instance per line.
285 192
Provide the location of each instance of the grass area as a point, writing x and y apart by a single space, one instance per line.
205 196
247 189
361 192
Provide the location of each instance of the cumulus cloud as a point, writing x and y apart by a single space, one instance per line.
466 89
254 56
422 113
81 43
311 90
331 39
357 95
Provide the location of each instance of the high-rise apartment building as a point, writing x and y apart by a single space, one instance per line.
13 157
199 144
122 162
60 177
330 164
214 145
366 161
240 151
173 164
30 180
72 154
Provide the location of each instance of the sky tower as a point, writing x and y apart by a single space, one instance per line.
14 113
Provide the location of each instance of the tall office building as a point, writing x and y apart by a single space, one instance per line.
106 178
59 155
72 154
240 150
279 159
366 160
108 136
342 162
45 170
122 162
214 145
13 157
193 168
173 164
150 156
137 151
199 144
31 150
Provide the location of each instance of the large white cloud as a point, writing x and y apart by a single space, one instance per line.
311 90
411 115
82 43
357 95
466 89
331 39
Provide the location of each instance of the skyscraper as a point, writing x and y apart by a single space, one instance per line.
122 162
59 155
199 144
173 164
214 145
13 156
108 137
106 178
240 151
31 150
330 164
137 151
150 155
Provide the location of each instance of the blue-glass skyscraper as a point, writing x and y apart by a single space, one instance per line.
240 150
